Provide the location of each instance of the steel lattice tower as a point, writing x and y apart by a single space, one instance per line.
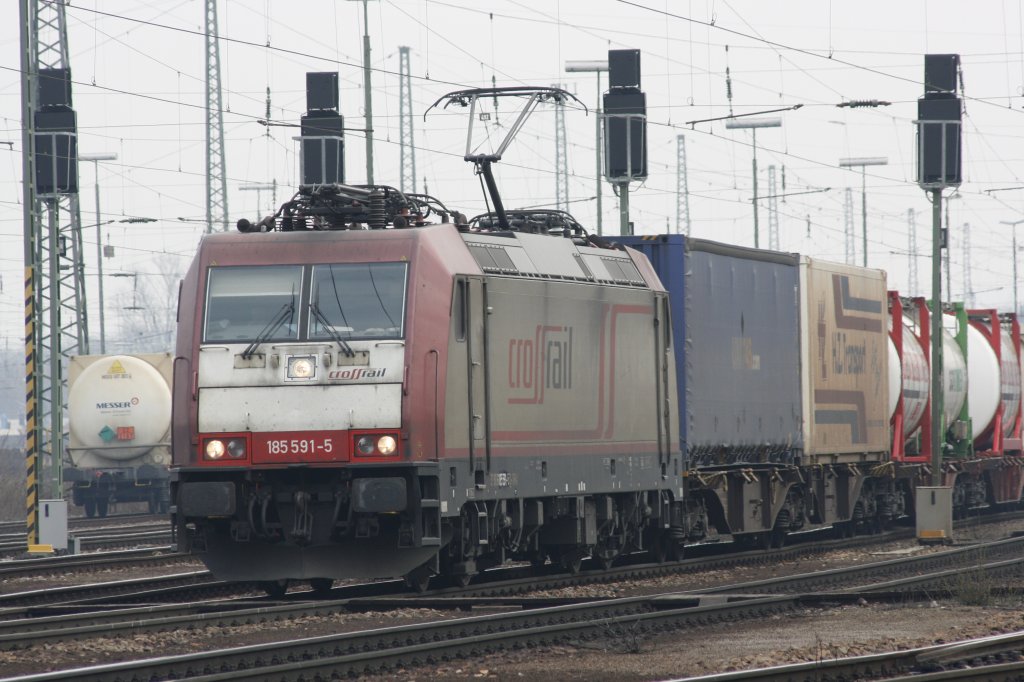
405 122
55 307
561 159
912 251
216 173
773 211
968 287
682 188
848 226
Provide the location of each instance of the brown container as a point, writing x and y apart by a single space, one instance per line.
844 363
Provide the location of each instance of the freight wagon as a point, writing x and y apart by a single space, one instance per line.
119 416
802 404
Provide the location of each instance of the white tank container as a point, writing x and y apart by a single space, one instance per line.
954 372
910 376
119 410
1011 386
991 382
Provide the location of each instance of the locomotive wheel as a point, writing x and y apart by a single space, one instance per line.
572 562
90 507
418 579
663 548
754 541
777 538
321 586
275 589
843 529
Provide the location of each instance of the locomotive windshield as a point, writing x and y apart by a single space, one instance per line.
260 303
358 300
242 301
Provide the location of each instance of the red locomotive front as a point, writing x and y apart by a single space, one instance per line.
293 405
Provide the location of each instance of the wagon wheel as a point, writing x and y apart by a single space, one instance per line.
321 586
605 561
275 589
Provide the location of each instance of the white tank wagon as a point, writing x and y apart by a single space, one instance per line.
994 390
119 409
910 378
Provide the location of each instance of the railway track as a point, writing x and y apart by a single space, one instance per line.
70 563
921 577
503 581
82 522
495 582
534 623
150 532
984 659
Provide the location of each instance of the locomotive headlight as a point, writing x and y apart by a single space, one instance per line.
365 445
301 367
386 445
376 445
236 448
215 449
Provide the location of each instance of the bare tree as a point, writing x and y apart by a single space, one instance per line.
146 313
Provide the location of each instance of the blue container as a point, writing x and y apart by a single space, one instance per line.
736 334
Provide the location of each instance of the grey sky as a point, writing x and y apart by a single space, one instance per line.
139 91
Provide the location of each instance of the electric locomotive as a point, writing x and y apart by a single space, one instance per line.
380 387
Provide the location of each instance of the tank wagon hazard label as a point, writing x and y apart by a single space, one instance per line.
118 407
849 365
116 371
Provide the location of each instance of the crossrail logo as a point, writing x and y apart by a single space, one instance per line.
353 374
539 364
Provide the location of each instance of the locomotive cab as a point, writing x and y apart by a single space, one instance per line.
291 434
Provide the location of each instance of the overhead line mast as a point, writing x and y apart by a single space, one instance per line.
216 173
561 158
405 123
55 306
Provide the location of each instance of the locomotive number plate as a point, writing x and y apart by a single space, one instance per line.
300 446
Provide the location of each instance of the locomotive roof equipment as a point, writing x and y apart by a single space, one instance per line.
482 162
346 207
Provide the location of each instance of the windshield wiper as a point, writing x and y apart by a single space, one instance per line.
287 313
318 314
